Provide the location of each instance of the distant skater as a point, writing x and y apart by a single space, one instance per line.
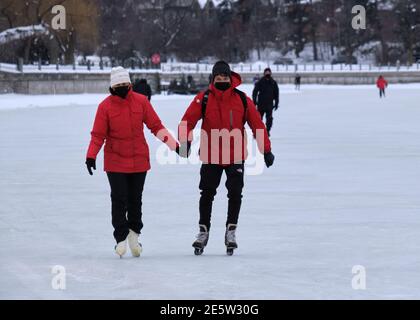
256 79
266 97
142 87
382 84
298 80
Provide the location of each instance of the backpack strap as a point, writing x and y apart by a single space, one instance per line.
241 94
243 98
204 103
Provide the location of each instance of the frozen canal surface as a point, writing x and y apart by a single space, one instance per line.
344 191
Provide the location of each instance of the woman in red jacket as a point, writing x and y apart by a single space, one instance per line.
224 111
382 84
119 124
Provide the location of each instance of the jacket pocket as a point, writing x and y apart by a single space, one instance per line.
113 113
115 120
141 147
137 112
123 148
136 120
120 126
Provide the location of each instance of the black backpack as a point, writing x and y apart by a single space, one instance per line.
241 94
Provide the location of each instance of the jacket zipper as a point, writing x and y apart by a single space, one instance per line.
132 133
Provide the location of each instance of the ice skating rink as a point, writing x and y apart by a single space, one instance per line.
344 191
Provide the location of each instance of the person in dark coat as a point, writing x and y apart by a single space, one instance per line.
142 87
256 79
298 80
266 97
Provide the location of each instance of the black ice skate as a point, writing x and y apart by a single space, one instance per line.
202 240
230 239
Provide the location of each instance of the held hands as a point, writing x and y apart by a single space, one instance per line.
91 164
184 150
269 159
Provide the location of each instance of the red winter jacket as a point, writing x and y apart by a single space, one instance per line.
120 123
381 83
225 117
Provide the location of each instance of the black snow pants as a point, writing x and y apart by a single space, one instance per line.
268 112
126 197
210 180
382 93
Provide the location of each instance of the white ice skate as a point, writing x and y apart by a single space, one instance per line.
121 248
133 243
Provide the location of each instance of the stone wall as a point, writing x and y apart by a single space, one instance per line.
68 83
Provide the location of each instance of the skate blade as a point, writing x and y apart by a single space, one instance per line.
121 253
230 252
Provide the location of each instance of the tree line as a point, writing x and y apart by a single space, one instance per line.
131 31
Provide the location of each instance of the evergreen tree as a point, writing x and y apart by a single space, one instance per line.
408 15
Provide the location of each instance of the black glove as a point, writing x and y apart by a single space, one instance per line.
269 159
184 150
276 107
91 163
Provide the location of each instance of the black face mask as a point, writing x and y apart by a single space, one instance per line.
222 86
268 76
121 92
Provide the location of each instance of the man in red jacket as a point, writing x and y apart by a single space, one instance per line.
119 124
382 84
224 111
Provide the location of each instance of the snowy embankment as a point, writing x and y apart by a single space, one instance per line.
199 68
20 101
344 191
